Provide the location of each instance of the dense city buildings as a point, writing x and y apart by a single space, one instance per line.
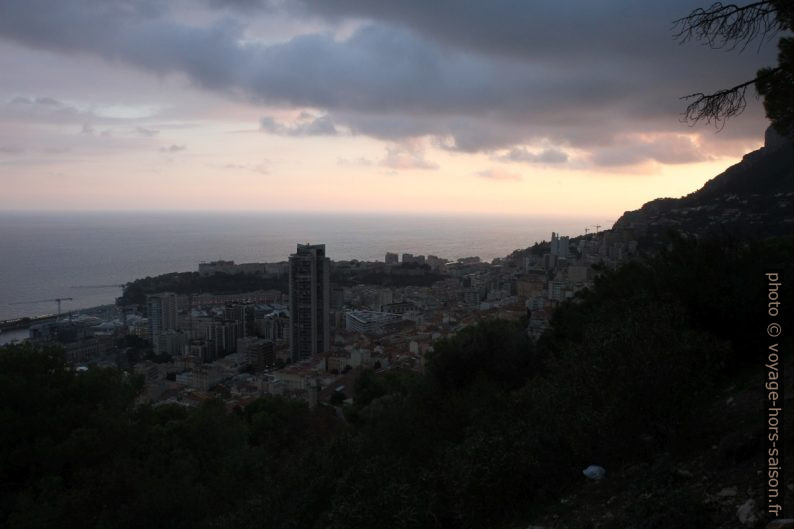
326 320
560 246
161 310
309 301
369 321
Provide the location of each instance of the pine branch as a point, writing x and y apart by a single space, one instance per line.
721 105
728 26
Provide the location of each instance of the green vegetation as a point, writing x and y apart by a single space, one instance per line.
76 452
136 291
136 349
536 250
495 431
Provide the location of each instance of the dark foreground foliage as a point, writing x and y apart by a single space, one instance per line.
496 429
135 292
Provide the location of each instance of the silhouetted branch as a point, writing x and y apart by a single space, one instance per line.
720 105
728 25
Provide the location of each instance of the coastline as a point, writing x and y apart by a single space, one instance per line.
48 256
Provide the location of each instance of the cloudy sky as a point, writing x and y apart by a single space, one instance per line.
497 106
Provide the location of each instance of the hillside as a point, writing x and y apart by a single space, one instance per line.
654 374
754 197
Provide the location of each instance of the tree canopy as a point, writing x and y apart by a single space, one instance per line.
494 432
730 26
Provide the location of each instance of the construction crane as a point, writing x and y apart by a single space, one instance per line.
596 226
57 300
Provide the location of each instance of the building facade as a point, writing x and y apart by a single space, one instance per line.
162 311
309 301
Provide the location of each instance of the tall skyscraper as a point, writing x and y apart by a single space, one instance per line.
560 246
161 310
309 301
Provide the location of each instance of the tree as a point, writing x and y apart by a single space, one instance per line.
729 26
498 351
338 398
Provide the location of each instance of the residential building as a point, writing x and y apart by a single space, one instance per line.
369 321
162 310
273 326
259 353
560 246
309 301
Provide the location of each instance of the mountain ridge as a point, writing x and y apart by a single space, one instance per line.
752 197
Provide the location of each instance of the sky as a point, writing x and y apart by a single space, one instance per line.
487 107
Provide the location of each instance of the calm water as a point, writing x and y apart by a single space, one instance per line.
81 255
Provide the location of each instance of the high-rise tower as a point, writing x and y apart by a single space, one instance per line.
161 310
309 301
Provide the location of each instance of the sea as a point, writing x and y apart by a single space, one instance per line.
89 256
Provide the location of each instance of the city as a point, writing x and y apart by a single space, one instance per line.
377 264
310 341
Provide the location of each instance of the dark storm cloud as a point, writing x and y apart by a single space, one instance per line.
475 75
507 27
242 5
